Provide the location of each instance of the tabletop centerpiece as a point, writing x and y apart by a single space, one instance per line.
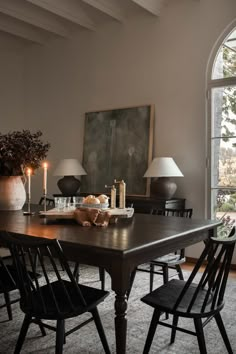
19 150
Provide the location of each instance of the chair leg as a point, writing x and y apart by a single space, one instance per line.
165 271
60 336
100 330
173 331
152 329
22 335
42 329
200 335
151 277
8 305
179 271
223 333
76 272
165 274
132 277
102 277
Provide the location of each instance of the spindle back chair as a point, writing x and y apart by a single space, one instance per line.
201 299
56 295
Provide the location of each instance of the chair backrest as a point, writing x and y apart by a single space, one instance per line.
34 296
49 201
208 294
7 281
185 213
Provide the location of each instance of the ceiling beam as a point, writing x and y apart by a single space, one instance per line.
109 7
30 15
70 11
21 30
152 6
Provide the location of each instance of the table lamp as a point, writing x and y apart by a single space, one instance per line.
162 168
69 168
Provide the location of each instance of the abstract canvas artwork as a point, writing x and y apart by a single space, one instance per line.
118 145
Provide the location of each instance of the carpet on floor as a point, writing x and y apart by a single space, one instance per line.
86 340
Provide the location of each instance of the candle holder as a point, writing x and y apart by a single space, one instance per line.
28 212
44 201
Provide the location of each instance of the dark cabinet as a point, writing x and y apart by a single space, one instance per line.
146 204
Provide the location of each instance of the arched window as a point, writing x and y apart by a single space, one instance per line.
222 129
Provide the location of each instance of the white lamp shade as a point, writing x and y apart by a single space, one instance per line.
69 167
163 167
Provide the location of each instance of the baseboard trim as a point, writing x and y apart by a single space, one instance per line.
194 261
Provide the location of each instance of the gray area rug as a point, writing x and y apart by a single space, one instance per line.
87 341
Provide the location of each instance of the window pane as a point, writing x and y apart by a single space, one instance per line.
223 163
224 112
225 63
224 204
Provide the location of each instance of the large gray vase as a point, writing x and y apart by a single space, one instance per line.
12 193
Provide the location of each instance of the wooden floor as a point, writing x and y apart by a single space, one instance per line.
189 266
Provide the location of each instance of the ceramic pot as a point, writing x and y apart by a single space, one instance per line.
12 193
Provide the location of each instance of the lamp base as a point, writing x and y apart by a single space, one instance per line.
68 185
163 187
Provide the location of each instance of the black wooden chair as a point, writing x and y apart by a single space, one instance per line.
7 285
55 296
200 300
76 272
8 278
170 261
49 201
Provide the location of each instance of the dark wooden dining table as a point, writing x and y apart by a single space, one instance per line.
119 248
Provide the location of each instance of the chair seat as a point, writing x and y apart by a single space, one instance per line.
165 298
93 297
169 259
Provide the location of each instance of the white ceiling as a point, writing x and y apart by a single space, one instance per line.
38 21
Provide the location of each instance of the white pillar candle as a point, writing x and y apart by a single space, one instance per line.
29 181
45 169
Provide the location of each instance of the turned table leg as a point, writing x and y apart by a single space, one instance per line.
120 323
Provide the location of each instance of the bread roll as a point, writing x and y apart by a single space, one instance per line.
103 198
91 199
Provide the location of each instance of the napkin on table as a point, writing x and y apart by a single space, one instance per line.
92 216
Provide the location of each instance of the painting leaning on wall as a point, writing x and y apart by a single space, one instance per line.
118 145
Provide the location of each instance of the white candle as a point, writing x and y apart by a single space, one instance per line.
29 181
45 168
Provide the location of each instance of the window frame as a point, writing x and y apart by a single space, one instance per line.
210 85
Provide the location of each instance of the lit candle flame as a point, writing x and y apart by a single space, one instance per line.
29 171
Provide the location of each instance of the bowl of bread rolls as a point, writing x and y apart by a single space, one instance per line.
99 202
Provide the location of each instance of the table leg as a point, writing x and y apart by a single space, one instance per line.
120 323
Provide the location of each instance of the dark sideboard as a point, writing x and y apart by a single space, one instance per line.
146 204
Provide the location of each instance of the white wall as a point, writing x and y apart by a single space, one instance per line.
148 60
12 84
